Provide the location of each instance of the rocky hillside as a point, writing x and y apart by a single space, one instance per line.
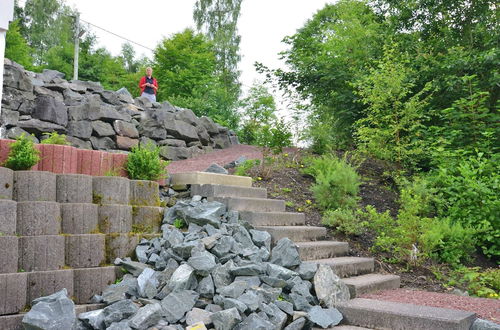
95 118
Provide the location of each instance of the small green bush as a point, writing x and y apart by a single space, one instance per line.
246 166
337 182
179 223
144 163
479 283
55 138
344 220
23 155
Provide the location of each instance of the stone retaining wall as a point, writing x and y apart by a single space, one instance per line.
94 118
64 231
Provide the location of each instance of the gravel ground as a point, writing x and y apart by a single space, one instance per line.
484 308
220 157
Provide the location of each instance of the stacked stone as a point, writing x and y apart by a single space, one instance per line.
219 273
94 118
146 211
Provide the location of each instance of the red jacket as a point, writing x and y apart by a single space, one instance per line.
143 82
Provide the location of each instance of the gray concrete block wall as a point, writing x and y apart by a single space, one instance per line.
8 210
79 218
38 218
34 186
41 253
85 250
74 188
13 289
6 183
9 245
144 193
111 190
53 224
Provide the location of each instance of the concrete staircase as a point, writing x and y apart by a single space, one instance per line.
357 273
269 215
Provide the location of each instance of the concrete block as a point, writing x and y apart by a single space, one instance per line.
144 193
34 186
322 249
394 315
38 218
44 283
11 322
84 250
217 190
79 218
359 285
12 293
273 218
6 182
74 188
91 281
110 190
146 219
120 246
115 219
251 204
295 233
210 178
8 216
9 245
348 266
40 253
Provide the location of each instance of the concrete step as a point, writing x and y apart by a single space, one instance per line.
273 218
368 283
397 316
218 190
295 233
182 179
322 249
348 266
251 204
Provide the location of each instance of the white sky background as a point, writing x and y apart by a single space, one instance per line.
262 25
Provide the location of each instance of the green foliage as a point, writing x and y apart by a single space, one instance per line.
337 182
344 220
246 166
414 235
179 223
22 155
16 47
112 172
144 163
468 194
55 138
479 283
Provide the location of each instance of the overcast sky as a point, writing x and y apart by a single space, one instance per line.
262 25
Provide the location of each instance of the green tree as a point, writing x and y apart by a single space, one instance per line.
218 19
16 47
128 55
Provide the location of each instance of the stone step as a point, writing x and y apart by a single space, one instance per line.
348 266
396 316
368 283
322 249
251 204
218 190
182 179
273 218
295 233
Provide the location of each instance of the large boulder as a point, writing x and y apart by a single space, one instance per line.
181 130
48 108
56 311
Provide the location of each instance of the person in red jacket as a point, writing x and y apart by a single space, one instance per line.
149 85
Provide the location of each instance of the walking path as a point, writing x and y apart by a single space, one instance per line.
220 157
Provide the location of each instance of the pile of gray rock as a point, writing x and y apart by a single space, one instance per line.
216 273
95 118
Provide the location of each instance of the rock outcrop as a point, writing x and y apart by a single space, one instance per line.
95 118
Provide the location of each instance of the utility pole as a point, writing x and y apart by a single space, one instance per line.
77 46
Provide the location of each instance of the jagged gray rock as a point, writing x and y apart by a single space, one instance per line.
177 304
93 319
329 289
215 168
56 311
226 319
285 253
480 324
146 317
324 317
119 311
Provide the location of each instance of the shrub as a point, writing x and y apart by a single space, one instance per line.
144 163
479 283
246 166
337 182
344 220
55 138
23 155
